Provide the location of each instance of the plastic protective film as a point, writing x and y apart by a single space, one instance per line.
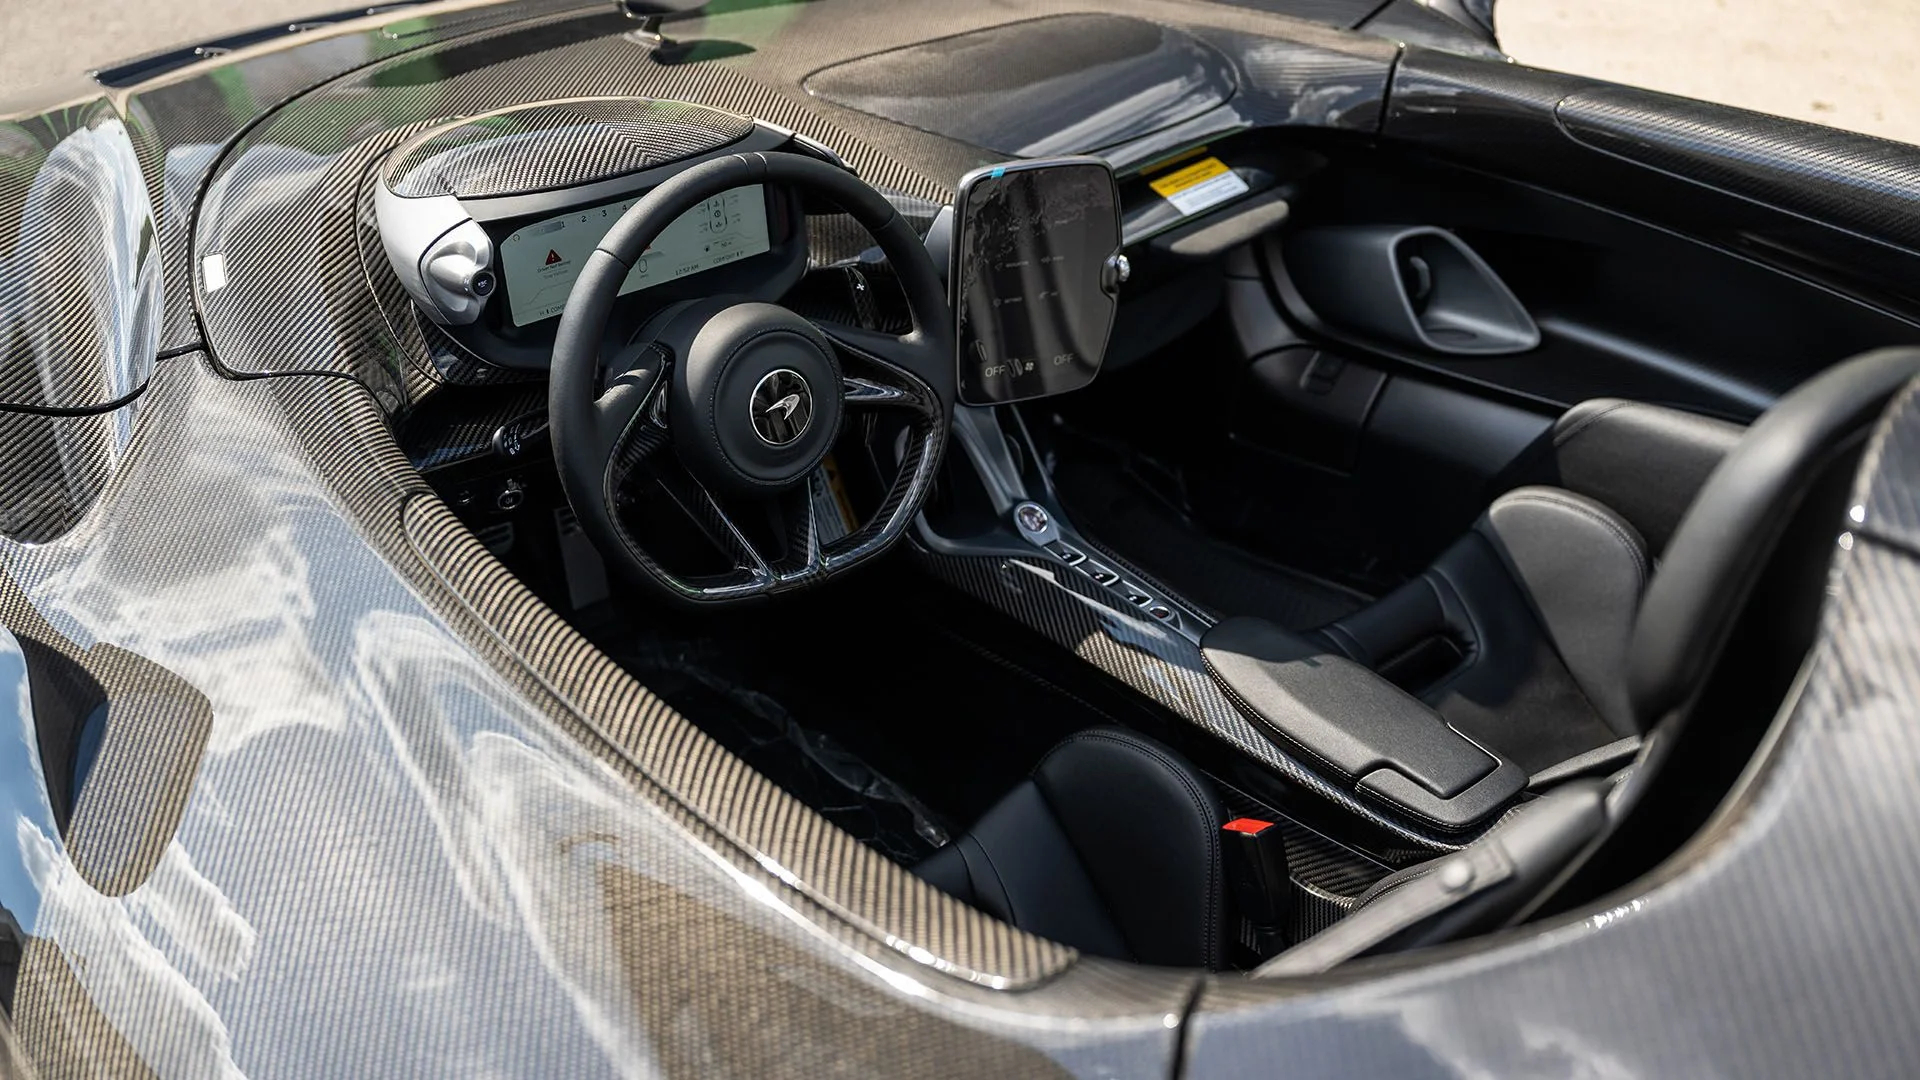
1035 278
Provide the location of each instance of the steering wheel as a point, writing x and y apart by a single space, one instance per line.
747 398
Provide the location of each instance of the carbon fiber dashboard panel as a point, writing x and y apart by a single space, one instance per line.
559 144
1801 882
1059 84
431 814
299 172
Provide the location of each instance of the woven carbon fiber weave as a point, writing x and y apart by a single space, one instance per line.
180 121
542 147
364 806
294 174
56 467
1856 181
80 278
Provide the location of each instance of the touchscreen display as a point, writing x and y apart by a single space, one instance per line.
540 261
1033 288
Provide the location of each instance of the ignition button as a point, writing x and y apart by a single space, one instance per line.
1032 518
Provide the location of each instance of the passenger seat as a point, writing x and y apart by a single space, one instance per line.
1517 634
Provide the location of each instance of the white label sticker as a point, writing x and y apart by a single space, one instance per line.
1204 183
213 272
1210 193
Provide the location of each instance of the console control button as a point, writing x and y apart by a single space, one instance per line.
1068 554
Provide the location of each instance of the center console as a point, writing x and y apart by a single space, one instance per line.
1034 294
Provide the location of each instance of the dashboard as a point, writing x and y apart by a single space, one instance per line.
487 221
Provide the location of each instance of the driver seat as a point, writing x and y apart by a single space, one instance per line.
1111 845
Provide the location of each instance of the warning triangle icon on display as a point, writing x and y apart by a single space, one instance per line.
553 257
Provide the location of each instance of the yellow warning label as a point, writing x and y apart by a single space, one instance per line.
1193 188
1192 176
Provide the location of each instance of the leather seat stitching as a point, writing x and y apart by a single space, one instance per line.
1561 439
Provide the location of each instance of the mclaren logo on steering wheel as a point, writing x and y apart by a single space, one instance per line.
782 407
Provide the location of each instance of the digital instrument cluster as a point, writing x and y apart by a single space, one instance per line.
540 262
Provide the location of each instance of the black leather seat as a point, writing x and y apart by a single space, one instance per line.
1112 846
1518 633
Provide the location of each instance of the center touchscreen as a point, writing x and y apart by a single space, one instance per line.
1036 268
541 261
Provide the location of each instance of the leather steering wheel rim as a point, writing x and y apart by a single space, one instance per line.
599 432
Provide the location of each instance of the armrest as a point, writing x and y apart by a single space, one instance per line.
1359 728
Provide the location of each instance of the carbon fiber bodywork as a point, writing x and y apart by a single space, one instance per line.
363 805
80 277
181 119
557 145
296 551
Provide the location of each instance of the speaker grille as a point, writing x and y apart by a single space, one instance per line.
557 144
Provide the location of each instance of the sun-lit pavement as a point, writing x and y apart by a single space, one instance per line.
44 40
1848 63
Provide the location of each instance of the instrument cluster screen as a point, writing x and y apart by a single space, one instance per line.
540 261
1035 273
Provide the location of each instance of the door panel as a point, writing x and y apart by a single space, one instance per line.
1830 206
1667 250
1625 308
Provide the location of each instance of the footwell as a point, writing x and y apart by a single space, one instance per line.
809 764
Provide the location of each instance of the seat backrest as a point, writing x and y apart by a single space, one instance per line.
1731 530
1112 846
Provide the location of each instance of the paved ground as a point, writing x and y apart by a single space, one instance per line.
1848 63
43 40
1839 62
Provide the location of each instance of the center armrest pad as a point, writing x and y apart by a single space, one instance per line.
1355 724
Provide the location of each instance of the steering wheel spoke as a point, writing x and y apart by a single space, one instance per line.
877 370
629 416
